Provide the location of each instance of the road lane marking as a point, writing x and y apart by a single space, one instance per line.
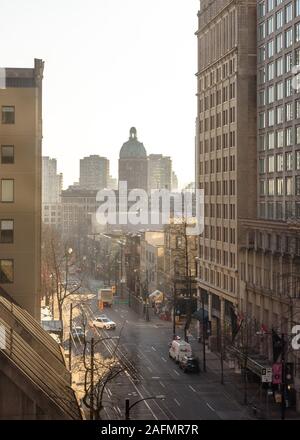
150 370
210 407
176 372
155 378
176 401
153 348
164 386
193 389
165 360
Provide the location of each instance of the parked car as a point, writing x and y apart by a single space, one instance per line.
179 349
78 332
189 364
104 322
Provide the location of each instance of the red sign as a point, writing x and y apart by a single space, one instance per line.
277 374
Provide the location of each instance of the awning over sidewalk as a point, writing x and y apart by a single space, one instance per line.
199 314
254 362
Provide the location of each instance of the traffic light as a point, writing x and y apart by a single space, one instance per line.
289 373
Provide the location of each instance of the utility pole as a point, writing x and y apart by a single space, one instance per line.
283 377
92 381
70 337
174 310
204 334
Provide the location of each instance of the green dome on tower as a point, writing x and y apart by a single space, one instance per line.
133 148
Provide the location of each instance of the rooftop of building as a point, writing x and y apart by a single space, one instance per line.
16 77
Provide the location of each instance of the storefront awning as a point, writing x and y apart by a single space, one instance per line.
200 314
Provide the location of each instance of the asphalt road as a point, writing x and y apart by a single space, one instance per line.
143 346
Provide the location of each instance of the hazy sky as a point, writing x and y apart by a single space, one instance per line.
109 65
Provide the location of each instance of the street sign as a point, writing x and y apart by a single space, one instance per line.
266 375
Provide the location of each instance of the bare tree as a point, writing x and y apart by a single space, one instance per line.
57 260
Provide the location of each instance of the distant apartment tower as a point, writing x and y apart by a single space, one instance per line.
94 172
52 182
133 163
159 172
278 110
174 181
225 144
20 185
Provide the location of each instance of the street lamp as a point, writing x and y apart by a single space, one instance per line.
128 407
175 297
197 259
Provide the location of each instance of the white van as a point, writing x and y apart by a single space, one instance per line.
179 349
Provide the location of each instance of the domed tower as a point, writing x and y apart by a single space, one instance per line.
133 163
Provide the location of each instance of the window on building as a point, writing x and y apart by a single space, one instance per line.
289 161
6 231
7 190
279 186
297 160
289 111
279 162
7 154
279 43
288 136
289 12
288 62
289 37
271 187
297 185
6 271
271 163
8 114
289 186
279 138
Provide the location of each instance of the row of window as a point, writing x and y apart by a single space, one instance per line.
280 138
218 279
279 210
224 258
218 120
278 43
218 74
221 211
276 69
279 163
7 195
217 98
225 164
219 188
289 186
226 140
226 235
281 17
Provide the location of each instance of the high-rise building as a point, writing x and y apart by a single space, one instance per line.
225 145
174 181
133 163
278 109
51 181
159 172
51 193
269 260
94 172
20 185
